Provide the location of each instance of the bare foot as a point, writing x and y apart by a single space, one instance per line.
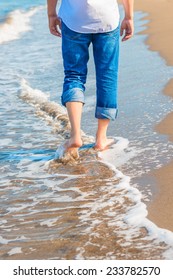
72 143
70 147
103 144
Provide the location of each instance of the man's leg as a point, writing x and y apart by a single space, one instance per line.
102 141
106 56
74 110
75 57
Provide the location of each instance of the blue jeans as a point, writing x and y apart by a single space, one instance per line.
75 57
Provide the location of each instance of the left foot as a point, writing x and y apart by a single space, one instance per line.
72 143
103 144
71 147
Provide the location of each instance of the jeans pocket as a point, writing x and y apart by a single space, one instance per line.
114 33
68 33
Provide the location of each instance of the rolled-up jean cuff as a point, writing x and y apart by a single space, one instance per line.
72 95
106 113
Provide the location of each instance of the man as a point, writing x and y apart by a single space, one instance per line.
81 23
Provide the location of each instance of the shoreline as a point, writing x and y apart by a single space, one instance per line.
158 30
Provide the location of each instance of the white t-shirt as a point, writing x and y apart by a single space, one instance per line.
90 16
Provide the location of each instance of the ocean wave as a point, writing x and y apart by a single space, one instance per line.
53 113
16 23
119 201
136 215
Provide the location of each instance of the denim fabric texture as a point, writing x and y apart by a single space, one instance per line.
75 51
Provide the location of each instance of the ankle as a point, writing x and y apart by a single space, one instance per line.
75 140
74 135
101 136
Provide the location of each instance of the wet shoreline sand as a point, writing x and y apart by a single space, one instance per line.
159 28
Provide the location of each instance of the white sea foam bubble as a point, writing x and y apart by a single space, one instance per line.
33 96
49 222
136 216
5 142
119 153
3 222
16 250
16 24
3 240
39 98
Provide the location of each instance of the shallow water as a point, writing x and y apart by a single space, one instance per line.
85 208
51 215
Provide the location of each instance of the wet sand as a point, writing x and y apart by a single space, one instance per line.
160 30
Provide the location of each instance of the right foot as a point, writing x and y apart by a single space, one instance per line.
103 144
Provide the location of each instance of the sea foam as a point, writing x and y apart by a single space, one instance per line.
50 111
119 153
136 216
16 250
17 22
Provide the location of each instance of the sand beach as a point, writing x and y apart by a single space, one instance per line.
160 30
102 205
